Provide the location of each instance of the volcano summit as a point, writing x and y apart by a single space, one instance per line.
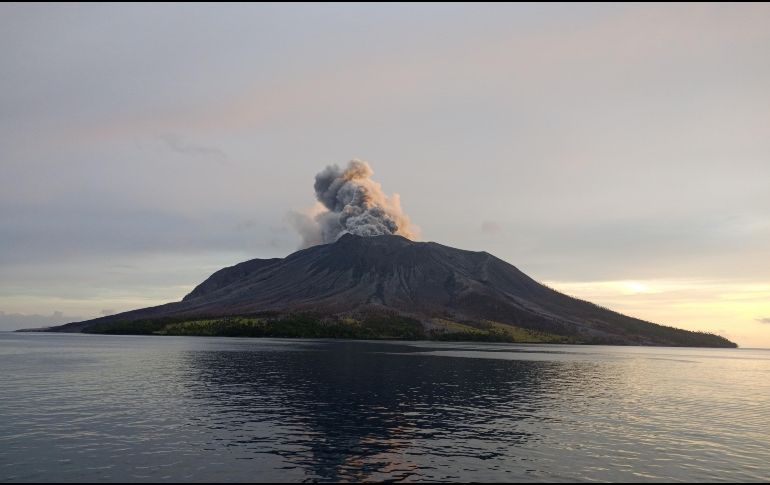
389 287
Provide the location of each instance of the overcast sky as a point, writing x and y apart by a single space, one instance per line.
618 152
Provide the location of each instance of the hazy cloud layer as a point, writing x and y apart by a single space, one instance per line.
606 142
181 145
17 321
490 227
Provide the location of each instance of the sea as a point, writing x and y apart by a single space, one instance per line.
88 408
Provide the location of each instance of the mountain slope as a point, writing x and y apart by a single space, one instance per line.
423 281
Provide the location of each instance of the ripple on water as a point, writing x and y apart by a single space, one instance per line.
87 408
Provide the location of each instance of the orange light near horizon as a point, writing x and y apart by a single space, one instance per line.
728 308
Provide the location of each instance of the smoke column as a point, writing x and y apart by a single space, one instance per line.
350 202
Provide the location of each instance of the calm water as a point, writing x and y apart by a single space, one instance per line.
107 408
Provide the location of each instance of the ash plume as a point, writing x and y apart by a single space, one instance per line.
350 202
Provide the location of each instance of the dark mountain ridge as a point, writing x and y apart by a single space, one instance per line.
442 288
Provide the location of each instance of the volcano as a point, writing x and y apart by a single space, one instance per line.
442 292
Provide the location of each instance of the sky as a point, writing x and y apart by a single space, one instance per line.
619 153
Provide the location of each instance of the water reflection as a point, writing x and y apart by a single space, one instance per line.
116 408
347 411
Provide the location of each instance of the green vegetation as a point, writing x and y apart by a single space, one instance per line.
136 327
391 327
489 331
290 326
370 327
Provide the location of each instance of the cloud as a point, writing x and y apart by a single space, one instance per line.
16 321
71 228
764 320
602 131
181 145
490 227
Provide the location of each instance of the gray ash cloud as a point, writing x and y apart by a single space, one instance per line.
350 202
